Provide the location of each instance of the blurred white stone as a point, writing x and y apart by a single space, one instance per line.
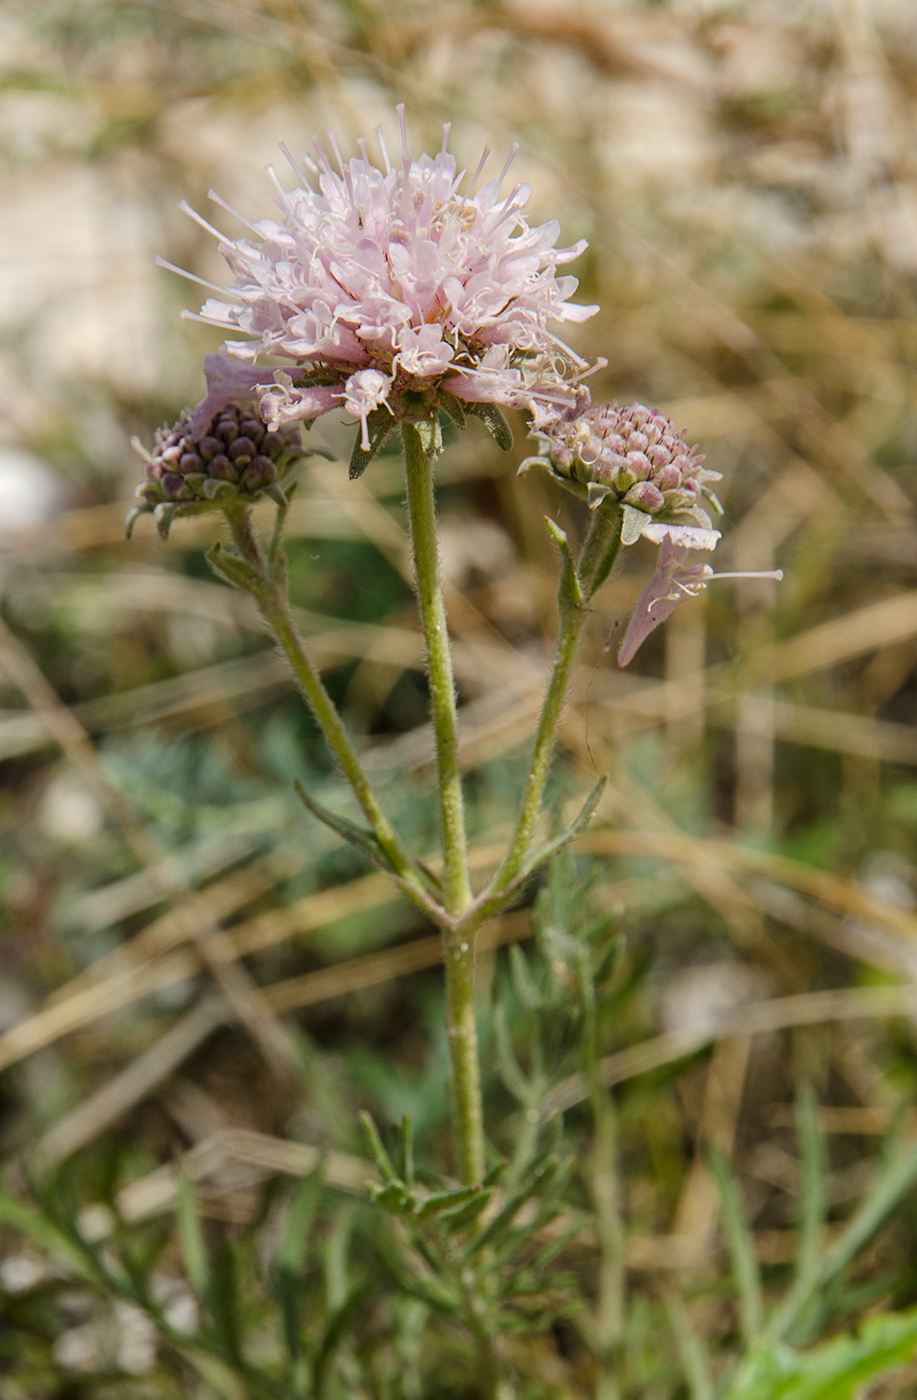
30 490
698 998
179 1305
69 812
136 1345
96 1222
20 1272
79 1348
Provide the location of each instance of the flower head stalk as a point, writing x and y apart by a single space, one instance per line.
397 289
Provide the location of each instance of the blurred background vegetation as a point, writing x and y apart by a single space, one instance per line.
746 175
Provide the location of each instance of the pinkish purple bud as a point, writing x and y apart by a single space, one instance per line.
173 484
222 467
260 473
640 465
242 447
668 477
190 462
208 447
645 496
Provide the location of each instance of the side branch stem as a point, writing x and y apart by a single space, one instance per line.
600 544
274 606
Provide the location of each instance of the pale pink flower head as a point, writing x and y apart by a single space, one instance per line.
635 457
401 289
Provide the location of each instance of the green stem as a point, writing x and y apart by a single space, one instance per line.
462 1030
275 609
422 518
606 1195
599 550
459 960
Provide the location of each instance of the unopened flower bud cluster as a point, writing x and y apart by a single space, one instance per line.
235 454
636 454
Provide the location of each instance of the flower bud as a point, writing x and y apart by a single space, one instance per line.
230 456
633 455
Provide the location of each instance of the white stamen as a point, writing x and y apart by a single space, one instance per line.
218 199
294 165
485 156
380 137
201 281
337 150
185 207
514 150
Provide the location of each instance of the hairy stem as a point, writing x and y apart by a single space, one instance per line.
422 518
600 546
274 606
460 949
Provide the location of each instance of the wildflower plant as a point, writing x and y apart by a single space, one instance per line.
396 292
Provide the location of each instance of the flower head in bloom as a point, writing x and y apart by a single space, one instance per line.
397 289
633 456
204 461
673 580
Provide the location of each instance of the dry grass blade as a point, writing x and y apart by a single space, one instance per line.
806 1009
101 1109
202 929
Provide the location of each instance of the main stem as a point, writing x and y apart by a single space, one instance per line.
457 895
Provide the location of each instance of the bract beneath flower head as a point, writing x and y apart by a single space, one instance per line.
396 270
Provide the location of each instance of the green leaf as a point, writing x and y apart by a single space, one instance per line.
233 570
494 422
446 1200
224 1301
544 853
293 1246
453 408
164 514
376 1150
461 1216
569 591
813 1210
360 458
508 1066
133 515
893 1181
191 1237
407 1150
741 1246
836 1370
523 982
38 1227
358 836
